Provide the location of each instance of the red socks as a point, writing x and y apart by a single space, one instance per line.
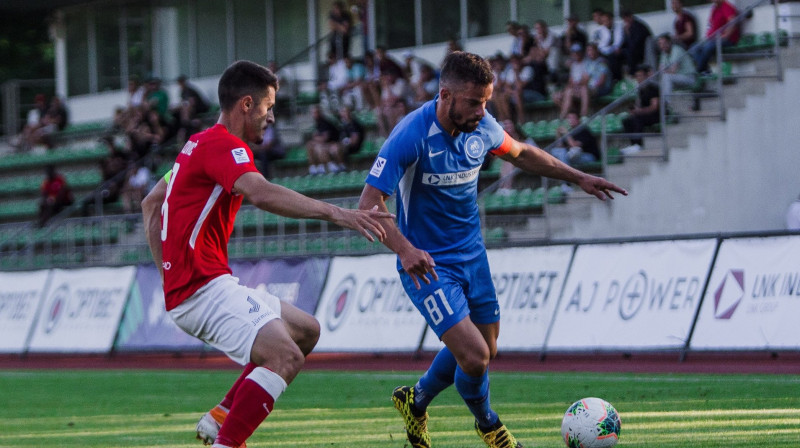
252 403
227 402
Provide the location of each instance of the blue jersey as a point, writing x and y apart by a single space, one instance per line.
436 178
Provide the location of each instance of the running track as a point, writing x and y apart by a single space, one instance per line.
735 362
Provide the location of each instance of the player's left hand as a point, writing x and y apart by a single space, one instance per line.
600 188
366 222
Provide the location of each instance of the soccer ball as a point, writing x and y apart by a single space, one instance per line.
590 423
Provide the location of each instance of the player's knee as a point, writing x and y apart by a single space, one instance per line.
309 336
476 362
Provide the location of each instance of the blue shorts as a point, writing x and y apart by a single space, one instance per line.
463 289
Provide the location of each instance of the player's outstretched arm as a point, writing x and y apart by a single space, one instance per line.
285 202
151 215
417 263
537 161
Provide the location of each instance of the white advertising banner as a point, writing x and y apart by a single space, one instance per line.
363 307
20 296
528 283
632 295
82 310
753 296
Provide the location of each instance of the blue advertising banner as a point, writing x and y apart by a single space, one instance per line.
147 326
145 323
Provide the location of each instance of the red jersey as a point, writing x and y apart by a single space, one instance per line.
199 211
720 15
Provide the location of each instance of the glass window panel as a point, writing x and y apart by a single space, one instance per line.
441 21
184 49
486 17
250 31
108 43
77 54
551 11
640 6
140 50
291 31
394 23
212 38
584 8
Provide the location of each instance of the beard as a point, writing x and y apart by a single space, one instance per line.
458 121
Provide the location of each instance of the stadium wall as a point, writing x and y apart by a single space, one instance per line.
737 292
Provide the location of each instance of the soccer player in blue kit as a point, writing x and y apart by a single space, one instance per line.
433 158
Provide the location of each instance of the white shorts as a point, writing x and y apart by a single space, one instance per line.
227 315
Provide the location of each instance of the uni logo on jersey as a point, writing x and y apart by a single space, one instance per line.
449 179
240 155
377 167
474 147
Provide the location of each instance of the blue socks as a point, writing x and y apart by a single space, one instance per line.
443 372
475 392
440 376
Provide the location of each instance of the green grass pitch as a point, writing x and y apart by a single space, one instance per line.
353 409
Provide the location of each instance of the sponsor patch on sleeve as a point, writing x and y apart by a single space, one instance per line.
377 167
240 155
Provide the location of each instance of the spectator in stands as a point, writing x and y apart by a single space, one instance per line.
526 82
187 114
577 86
145 132
33 121
137 184
55 195
352 136
136 92
426 86
516 43
340 23
684 26
500 103
353 92
722 13
269 150
600 82
54 120
371 86
323 144
112 168
793 215
609 37
547 42
636 38
573 34
395 100
158 100
575 147
678 67
645 111
525 40
330 90
387 64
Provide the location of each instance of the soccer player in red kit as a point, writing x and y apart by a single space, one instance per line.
188 222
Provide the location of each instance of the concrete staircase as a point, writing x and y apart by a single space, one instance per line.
737 174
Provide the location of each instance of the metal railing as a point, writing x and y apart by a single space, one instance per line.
666 119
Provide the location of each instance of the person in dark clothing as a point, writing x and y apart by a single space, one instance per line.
340 23
685 25
324 143
645 111
635 40
576 147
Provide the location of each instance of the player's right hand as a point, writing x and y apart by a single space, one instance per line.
418 264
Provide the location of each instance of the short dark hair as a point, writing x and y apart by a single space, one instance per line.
462 67
244 78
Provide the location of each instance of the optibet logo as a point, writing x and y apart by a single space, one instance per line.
340 299
729 294
58 307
